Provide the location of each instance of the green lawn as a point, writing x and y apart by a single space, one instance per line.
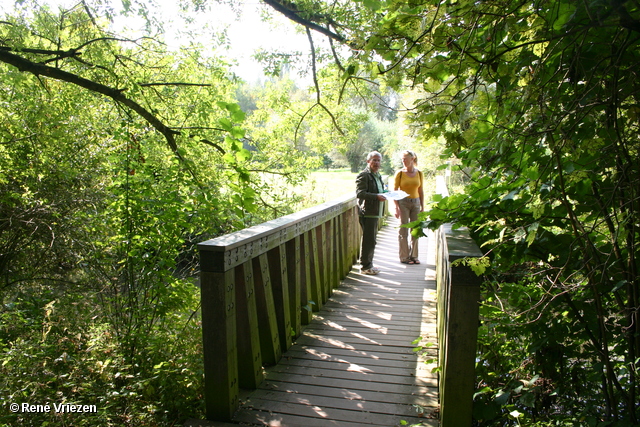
325 185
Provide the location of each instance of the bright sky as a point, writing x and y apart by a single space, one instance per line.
247 34
250 33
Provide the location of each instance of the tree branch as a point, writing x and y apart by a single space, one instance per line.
117 95
174 84
291 11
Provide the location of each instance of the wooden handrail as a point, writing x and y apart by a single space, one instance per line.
258 287
458 290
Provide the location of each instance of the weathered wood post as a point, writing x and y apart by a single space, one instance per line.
458 300
219 332
458 289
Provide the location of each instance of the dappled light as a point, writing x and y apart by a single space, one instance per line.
335 325
333 342
355 362
176 235
369 340
368 324
319 411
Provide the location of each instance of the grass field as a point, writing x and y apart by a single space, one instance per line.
322 186
328 185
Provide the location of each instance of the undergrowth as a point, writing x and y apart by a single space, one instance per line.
58 349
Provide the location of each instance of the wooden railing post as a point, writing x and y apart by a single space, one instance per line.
254 283
249 354
458 289
219 332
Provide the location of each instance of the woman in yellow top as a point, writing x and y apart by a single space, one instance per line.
410 180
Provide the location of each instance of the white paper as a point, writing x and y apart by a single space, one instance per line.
395 195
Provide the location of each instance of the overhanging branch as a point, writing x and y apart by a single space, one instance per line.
117 95
290 10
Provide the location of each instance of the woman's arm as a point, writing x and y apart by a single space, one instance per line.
396 186
421 192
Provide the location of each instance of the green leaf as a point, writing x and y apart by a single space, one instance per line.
238 133
373 5
502 397
564 13
243 155
225 124
238 116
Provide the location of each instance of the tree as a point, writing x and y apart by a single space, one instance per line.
117 156
540 101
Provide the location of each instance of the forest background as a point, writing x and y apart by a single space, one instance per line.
119 151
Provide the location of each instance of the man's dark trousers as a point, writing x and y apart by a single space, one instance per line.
369 234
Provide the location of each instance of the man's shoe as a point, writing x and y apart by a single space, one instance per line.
371 271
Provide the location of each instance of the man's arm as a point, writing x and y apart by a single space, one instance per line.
362 188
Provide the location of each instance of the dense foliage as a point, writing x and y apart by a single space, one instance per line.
539 102
117 154
553 145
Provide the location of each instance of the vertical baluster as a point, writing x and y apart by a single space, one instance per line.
329 267
344 243
279 281
349 236
293 273
315 281
267 321
337 235
306 313
323 260
335 252
249 357
357 231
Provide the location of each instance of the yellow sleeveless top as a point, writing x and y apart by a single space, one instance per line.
409 185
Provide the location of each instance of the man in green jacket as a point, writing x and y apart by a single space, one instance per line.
369 189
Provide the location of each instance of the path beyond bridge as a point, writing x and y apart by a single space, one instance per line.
355 364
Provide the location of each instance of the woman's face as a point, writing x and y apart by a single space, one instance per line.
407 160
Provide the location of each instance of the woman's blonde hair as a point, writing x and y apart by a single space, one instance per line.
412 154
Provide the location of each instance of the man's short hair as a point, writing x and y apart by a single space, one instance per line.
372 154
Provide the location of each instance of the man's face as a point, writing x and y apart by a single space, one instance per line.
374 163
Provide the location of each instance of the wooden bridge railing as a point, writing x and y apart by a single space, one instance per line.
258 287
458 290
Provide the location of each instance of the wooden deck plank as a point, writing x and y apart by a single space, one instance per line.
347 356
424 399
355 363
353 386
324 408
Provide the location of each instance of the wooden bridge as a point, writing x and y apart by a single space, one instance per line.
295 335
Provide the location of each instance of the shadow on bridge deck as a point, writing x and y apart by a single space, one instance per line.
354 364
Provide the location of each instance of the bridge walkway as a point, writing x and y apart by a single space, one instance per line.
355 364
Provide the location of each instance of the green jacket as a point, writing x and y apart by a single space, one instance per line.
368 186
